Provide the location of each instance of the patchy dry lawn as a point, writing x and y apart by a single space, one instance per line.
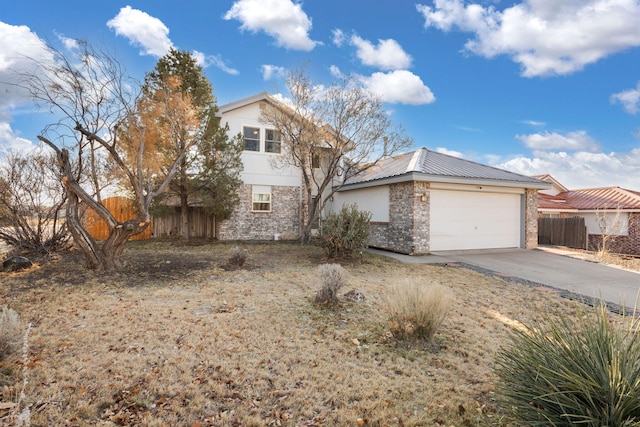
177 339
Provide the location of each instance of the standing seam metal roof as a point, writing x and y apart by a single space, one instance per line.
436 164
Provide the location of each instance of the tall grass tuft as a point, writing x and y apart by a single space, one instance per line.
10 332
563 373
417 310
332 278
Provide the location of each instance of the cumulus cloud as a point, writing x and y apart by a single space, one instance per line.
142 30
336 72
387 55
581 169
270 72
572 141
22 51
546 37
283 20
630 99
400 86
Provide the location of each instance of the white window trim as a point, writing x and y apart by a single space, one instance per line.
258 190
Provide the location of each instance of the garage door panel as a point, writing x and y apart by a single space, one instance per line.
474 220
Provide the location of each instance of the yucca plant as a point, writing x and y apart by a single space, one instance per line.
567 373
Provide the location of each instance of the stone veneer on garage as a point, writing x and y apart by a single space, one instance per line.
284 218
408 228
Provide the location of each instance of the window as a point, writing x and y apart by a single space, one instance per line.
315 161
261 198
272 141
251 138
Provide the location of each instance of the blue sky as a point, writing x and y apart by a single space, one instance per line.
533 86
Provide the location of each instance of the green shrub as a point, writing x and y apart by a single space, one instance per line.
10 332
565 373
346 232
416 310
332 278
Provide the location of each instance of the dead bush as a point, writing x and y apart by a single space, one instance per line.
332 278
417 310
10 332
237 256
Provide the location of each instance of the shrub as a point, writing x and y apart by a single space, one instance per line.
417 310
585 372
10 332
332 278
346 232
237 256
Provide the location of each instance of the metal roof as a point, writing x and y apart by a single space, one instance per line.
427 165
605 198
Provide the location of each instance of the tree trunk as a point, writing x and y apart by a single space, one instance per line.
184 215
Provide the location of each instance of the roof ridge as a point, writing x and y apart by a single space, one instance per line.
416 160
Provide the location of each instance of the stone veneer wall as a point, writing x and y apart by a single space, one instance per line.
629 244
531 219
408 228
283 219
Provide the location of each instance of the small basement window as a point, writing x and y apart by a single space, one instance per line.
261 198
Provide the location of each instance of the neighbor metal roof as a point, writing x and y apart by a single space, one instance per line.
605 198
427 165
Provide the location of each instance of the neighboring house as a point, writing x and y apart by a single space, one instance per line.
612 211
425 201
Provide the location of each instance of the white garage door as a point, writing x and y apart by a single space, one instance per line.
474 220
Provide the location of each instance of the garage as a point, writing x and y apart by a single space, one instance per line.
462 220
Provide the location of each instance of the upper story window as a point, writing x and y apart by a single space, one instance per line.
272 141
251 138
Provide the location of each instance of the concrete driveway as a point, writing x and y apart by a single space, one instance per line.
576 276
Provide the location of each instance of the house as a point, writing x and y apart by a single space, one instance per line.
421 201
270 196
611 211
424 201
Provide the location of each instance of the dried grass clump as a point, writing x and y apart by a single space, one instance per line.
332 278
10 332
416 310
237 257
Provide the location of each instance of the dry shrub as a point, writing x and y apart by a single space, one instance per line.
237 256
10 332
332 278
417 310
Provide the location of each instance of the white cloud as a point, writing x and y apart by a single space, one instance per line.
630 99
400 86
533 123
581 169
336 72
10 141
283 20
546 37
69 43
338 37
142 30
572 141
270 72
205 61
387 55
448 152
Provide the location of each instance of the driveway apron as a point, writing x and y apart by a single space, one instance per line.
577 276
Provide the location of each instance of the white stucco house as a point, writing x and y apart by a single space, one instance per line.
421 201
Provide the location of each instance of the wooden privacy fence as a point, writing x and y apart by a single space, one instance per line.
122 209
569 232
201 224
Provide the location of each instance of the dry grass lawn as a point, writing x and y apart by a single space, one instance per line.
180 339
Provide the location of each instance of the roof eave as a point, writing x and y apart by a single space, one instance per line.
418 176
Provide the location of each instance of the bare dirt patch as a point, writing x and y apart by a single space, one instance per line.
175 339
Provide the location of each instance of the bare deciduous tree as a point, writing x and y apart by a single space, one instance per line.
32 204
329 134
98 107
610 224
